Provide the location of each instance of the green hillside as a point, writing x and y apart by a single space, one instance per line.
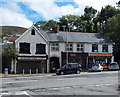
10 30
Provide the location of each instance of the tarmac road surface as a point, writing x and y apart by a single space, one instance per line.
92 83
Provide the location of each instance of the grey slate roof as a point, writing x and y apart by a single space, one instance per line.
75 37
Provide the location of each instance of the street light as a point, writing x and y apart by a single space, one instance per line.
64 26
67 38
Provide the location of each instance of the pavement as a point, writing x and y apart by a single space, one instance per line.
25 75
47 74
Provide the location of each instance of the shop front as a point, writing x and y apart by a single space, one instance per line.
72 57
29 64
103 58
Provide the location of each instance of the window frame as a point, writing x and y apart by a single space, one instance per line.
44 50
33 32
104 46
94 47
22 50
54 46
69 47
80 47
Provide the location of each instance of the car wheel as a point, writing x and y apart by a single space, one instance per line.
62 73
78 71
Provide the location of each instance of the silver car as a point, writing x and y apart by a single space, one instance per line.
96 67
113 66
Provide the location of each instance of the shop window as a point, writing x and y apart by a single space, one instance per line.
105 48
55 47
32 32
94 48
80 47
40 48
69 47
24 48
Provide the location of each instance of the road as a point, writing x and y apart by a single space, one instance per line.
92 83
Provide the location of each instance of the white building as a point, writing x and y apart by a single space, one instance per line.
55 49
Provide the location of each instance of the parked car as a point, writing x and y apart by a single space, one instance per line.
96 67
104 65
113 66
69 68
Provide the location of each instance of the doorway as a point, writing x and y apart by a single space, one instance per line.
54 64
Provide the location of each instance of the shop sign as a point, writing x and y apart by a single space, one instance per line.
31 58
100 54
72 55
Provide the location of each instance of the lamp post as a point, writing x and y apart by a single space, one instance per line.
64 26
67 38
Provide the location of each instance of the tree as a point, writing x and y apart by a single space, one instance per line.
9 54
89 15
68 21
44 25
10 51
52 25
104 15
112 29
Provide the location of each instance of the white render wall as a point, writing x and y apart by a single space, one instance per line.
33 40
87 49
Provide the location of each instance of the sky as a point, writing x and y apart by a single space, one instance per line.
24 13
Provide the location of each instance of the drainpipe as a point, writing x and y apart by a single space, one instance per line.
48 62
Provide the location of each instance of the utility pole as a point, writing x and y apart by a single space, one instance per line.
64 26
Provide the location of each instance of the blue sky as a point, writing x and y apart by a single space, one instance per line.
24 12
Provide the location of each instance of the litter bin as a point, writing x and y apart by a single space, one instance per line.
6 71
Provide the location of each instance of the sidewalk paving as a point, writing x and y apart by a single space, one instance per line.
50 74
25 75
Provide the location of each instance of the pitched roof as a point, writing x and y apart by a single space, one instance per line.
75 37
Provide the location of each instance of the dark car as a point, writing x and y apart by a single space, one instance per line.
113 66
69 68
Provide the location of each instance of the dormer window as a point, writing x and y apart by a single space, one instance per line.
32 32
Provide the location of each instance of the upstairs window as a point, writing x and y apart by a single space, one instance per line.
80 47
105 48
32 32
94 48
69 47
24 48
40 48
55 47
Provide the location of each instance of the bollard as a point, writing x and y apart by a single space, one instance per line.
36 71
23 72
6 72
30 71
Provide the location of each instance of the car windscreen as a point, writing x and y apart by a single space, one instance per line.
114 64
95 65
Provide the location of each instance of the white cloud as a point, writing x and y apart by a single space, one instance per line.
97 4
12 15
48 9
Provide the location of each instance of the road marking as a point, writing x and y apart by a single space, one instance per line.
54 89
7 93
20 81
21 93
71 78
90 85
97 85
108 84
